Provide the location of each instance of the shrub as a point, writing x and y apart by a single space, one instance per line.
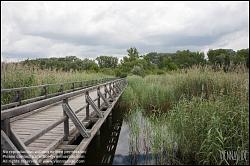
137 70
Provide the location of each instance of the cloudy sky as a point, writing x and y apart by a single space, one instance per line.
90 29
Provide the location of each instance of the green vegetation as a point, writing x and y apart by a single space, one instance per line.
150 63
191 115
180 105
18 75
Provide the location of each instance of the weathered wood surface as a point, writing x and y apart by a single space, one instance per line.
47 128
29 125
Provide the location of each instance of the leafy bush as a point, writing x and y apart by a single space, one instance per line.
137 70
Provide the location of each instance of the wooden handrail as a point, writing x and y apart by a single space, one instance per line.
4 90
16 111
44 94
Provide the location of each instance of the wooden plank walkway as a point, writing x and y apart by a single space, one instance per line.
29 124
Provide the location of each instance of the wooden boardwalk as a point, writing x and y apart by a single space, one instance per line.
54 124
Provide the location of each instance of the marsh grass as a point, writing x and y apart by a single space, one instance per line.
191 115
15 75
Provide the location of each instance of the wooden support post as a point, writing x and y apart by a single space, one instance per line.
98 132
103 98
96 109
18 97
66 122
45 88
61 88
114 92
87 106
98 139
71 114
105 92
5 126
110 90
118 90
98 98
109 120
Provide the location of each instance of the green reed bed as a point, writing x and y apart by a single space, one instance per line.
17 75
192 116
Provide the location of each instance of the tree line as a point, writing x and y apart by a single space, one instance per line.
150 63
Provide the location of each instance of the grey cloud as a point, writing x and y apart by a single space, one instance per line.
22 55
89 29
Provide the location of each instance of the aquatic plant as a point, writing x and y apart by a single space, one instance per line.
192 115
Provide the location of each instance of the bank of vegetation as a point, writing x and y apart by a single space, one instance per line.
191 116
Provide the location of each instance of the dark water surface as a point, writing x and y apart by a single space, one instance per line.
112 146
102 148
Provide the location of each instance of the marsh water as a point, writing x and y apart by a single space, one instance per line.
115 144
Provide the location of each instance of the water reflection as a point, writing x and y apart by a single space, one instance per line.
102 147
127 140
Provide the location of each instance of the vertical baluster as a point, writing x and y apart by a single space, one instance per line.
110 91
98 98
105 92
45 91
61 88
66 123
87 107
18 97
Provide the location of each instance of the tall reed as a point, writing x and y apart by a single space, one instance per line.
198 113
15 75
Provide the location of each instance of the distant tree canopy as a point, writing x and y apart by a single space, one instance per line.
107 61
152 62
228 57
66 64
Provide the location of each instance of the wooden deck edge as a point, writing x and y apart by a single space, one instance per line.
85 142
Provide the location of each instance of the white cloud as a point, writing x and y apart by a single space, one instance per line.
90 29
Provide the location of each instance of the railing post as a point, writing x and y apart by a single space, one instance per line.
18 97
5 126
73 86
105 92
116 88
66 123
87 106
45 93
98 98
61 88
110 91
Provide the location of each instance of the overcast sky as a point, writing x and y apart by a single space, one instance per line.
90 29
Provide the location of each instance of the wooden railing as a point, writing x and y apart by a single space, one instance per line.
111 90
17 94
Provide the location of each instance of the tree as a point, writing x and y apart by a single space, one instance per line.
167 64
152 58
187 58
137 70
107 61
133 54
242 57
221 56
